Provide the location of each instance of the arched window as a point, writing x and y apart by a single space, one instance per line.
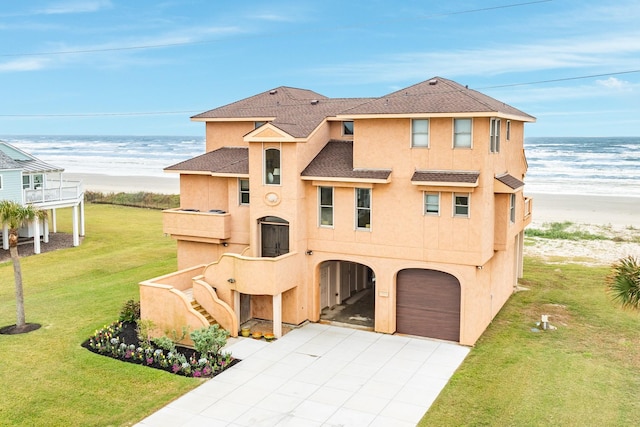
272 166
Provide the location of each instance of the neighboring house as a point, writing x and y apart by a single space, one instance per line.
27 180
302 201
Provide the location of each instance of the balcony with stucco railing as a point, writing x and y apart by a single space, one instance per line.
190 224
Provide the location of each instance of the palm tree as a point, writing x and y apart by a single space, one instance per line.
14 215
623 284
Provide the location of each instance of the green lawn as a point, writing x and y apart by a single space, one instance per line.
585 373
46 378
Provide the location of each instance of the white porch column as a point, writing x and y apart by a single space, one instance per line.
236 305
277 315
5 237
36 236
45 233
74 221
54 221
82 218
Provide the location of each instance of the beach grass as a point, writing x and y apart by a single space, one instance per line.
139 199
563 231
583 373
47 377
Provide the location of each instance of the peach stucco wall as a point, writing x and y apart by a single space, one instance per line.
480 251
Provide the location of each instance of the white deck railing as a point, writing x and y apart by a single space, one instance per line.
55 191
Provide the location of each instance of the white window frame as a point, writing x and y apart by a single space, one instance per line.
272 174
508 130
470 133
1 182
512 208
494 135
426 204
345 130
456 205
26 185
414 133
358 209
322 207
241 192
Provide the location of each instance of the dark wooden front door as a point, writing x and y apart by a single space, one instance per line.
275 239
428 304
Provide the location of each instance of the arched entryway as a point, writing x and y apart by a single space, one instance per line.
428 304
347 293
274 236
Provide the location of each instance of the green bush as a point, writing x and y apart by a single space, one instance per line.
130 311
209 341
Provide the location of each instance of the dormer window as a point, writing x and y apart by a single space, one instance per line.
272 166
347 128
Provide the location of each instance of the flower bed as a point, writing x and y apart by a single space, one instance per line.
120 341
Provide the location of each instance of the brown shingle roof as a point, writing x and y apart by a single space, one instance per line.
510 181
335 160
453 177
298 112
436 95
225 160
292 110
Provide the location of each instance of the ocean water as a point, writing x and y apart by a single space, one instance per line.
111 155
586 166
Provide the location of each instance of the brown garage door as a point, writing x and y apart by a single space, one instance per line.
428 304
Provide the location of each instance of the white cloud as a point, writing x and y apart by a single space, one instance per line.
614 83
77 6
28 64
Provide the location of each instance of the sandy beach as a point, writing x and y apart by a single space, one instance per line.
615 217
127 184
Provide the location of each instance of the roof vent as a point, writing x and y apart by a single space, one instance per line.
432 82
314 101
273 91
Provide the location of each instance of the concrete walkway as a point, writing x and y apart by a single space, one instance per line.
320 375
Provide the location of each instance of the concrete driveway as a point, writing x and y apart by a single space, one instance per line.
320 375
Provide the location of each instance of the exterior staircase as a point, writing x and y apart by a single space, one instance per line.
197 307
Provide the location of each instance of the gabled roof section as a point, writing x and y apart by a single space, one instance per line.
296 112
507 184
436 96
231 161
7 162
25 161
335 162
445 178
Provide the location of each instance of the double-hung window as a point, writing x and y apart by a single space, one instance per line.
363 208
512 208
432 203
461 204
243 191
420 133
272 166
462 133
495 135
325 196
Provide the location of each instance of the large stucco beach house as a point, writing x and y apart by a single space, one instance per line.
302 202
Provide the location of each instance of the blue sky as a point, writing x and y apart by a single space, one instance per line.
112 67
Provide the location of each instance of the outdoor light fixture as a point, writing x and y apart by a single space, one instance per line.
225 244
232 280
309 252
